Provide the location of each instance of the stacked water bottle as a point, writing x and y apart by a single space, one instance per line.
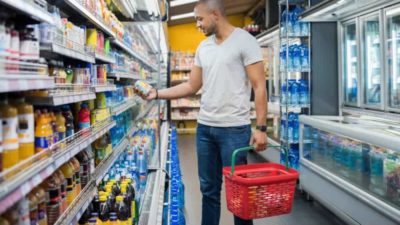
177 203
290 24
295 93
296 59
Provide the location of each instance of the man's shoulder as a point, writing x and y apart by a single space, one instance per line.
244 34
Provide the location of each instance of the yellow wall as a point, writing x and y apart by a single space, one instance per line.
186 37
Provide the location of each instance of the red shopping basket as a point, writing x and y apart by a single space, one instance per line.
259 190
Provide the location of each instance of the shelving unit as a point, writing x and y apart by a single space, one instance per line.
62 99
10 83
104 58
56 49
123 75
127 104
33 11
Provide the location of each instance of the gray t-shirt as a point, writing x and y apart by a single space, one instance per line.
225 101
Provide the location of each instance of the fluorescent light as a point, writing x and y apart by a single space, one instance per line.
182 16
181 2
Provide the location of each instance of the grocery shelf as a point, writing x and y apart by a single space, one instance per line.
79 8
62 98
9 83
85 197
25 176
127 104
134 54
29 9
104 58
64 51
124 8
124 75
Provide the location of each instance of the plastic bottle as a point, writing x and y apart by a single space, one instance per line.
78 172
304 54
104 214
41 142
68 171
52 189
33 209
303 93
290 127
60 128
26 129
114 219
100 146
69 120
122 211
21 216
290 60
9 116
53 123
85 167
284 22
84 117
295 21
131 190
296 58
295 124
289 23
41 197
63 183
284 94
142 170
48 129
70 74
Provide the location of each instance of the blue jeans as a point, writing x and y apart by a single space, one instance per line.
215 146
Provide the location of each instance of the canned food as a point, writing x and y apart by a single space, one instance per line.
143 87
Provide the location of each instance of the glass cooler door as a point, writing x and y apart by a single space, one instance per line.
393 56
350 63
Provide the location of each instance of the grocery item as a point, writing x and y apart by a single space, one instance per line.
78 171
69 120
143 87
69 173
9 116
41 134
84 117
26 128
60 128
53 198
100 146
63 183
41 198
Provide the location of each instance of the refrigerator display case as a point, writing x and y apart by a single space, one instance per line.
357 161
393 56
351 81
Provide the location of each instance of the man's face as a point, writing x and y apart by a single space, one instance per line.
205 20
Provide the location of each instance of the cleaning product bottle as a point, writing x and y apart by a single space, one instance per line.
33 209
9 116
41 197
84 117
69 120
60 128
77 171
68 172
26 129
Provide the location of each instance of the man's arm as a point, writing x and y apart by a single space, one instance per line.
188 88
255 73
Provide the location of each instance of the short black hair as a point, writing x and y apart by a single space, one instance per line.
214 5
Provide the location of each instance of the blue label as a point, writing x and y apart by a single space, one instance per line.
70 132
41 142
83 125
61 136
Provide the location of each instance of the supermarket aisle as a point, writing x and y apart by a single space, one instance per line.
304 212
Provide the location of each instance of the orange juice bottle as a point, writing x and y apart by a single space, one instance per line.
9 116
53 125
77 170
41 141
60 128
41 197
68 171
49 129
26 129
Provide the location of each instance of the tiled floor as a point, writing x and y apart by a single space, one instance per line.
303 213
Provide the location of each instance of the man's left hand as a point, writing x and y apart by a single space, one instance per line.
259 140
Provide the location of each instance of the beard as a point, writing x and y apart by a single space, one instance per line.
211 30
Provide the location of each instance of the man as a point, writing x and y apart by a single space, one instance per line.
227 65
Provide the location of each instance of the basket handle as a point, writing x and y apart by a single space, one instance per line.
244 149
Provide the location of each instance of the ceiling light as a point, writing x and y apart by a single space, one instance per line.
182 16
181 2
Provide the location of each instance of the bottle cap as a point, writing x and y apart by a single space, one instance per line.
103 198
120 198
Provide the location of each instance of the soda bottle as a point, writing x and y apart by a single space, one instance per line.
9 116
84 117
114 219
69 120
26 128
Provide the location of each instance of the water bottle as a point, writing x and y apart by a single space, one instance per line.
282 55
296 25
290 127
305 28
289 24
294 93
295 124
304 56
294 157
284 22
296 58
303 92
291 63
283 126
284 94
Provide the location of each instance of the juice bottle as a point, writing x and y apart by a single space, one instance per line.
84 117
122 211
41 197
60 128
78 172
69 120
26 129
68 170
49 129
53 123
1 144
20 215
9 116
104 213
41 141
62 182
33 209
100 146
52 190
85 167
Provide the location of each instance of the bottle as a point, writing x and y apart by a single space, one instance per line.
104 214
131 190
290 127
85 167
127 200
295 21
70 74
33 209
296 58
290 63
68 171
41 141
100 146
142 170
48 129
60 128
101 101
52 189
294 93
114 219
284 22
122 211
26 129
304 54
53 123
289 23
62 183
9 116
78 172
91 157
284 94
4 221
69 120
303 93
21 216
41 197
84 117
295 125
